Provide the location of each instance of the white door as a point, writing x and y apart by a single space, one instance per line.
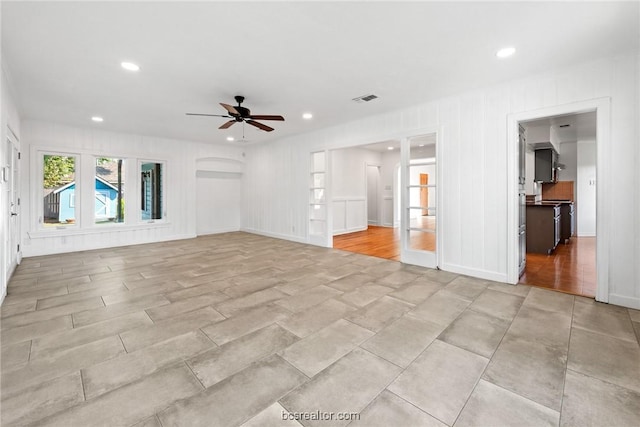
419 237
373 178
10 186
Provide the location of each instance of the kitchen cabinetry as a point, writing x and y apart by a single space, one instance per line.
546 167
567 221
543 227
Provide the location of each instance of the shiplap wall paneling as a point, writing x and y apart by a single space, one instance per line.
473 132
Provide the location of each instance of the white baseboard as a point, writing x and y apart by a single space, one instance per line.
220 231
275 235
588 234
625 301
474 272
349 230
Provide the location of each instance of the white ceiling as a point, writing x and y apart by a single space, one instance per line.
284 57
569 128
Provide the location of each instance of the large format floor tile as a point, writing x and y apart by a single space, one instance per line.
490 405
440 381
616 361
591 402
229 403
345 387
238 329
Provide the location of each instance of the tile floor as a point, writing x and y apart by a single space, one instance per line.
239 329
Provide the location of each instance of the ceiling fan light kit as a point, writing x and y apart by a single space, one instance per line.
239 113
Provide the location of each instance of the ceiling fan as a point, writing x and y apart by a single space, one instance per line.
241 114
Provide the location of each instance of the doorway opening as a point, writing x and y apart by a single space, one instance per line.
405 202
559 207
363 204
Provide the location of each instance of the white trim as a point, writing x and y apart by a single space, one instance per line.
220 231
625 301
59 250
602 106
64 230
281 236
475 272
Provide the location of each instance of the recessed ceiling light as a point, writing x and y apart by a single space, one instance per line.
421 145
230 138
506 52
389 148
130 66
97 119
307 116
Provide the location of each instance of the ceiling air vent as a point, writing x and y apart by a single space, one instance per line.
365 98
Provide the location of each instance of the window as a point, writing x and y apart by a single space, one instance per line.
109 184
58 190
151 194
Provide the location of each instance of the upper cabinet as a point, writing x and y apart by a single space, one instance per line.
546 169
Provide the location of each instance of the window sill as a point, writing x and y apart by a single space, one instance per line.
105 228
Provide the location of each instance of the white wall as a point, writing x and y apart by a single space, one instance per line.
473 138
349 190
9 119
181 202
568 155
389 184
586 188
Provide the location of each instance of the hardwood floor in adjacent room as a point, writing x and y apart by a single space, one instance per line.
381 242
571 268
384 242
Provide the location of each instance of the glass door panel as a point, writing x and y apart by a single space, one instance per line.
419 202
318 227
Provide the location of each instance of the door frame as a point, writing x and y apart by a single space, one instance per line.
602 107
10 187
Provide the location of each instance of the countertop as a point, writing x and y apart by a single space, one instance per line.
549 203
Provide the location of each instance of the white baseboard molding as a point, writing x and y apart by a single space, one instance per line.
350 230
474 272
593 234
625 301
275 235
31 252
220 231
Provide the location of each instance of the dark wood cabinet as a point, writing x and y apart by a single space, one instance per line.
546 165
567 221
543 227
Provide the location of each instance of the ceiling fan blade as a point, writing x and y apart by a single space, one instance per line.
227 124
207 115
231 109
263 117
259 125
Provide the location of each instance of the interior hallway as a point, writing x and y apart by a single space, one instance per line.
233 329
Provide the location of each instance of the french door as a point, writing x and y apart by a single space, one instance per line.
419 201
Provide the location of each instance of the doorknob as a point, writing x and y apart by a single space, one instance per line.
14 214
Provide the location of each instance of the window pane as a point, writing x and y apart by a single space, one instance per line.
151 185
109 190
59 190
